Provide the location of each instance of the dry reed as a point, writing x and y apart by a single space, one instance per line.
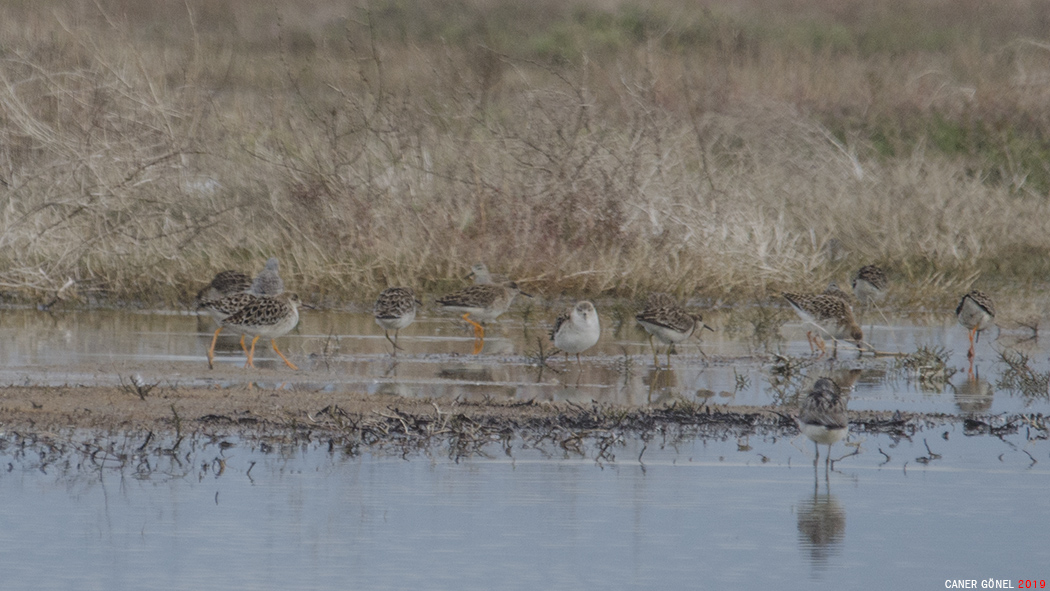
720 151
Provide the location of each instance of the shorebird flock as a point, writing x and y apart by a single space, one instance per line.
259 307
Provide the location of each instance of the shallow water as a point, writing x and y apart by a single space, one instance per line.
711 513
700 515
343 351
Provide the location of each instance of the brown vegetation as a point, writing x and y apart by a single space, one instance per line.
721 149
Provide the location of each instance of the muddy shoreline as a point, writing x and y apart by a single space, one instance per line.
356 421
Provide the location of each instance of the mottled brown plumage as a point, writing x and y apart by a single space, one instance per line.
481 303
869 285
823 417
225 283
833 289
222 308
976 311
395 308
660 300
828 312
228 283
266 316
669 323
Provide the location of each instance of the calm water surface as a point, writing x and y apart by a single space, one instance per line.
705 516
341 351
700 514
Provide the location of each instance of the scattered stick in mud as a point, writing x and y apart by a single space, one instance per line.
886 455
137 386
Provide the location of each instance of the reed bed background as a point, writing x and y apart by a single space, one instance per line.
721 150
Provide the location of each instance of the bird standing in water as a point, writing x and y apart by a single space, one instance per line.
395 308
976 311
823 417
576 330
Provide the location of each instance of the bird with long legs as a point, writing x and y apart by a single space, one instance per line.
823 417
976 312
669 323
479 304
269 317
830 314
229 291
395 308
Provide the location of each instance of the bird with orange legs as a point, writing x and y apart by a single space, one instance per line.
481 303
229 291
976 311
269 317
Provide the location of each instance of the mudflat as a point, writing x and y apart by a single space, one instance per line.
254 411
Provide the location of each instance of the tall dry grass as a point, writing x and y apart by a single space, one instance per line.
725 151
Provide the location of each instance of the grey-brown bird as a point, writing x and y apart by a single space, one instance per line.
268 282
823 417
481 303
395 308
833 289
976 311
266 316
222 297
225 283
828 312
669 323
869 285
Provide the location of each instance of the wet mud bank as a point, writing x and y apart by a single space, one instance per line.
129 420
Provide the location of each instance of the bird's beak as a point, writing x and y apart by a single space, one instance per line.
307 306
709 328
528 295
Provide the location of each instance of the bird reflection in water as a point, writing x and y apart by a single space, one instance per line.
846 379
821 524
974 395
663 385
467 372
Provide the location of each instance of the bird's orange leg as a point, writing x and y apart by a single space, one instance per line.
971 353
273 343
479 333
251 354
211 350
477 327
